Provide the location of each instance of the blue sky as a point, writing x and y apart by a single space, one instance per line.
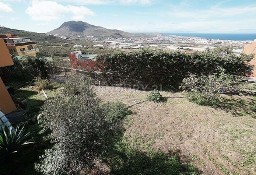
203 16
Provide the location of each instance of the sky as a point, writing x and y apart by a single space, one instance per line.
161 16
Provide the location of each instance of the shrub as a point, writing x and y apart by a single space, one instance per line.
81 130
204 99
151 68
207 90
155 96
213 85
116 112
12 140
26 70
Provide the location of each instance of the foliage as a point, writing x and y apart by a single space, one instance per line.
81 130
206 90
24 158
155 68
209 90
155 96
212 86
26 70
43 84
116 112
12 140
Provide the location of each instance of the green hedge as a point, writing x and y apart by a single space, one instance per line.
154 69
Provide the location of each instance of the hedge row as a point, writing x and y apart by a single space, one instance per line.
168 69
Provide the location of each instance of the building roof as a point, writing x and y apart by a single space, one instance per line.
5 57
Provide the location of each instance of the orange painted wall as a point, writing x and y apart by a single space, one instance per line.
6 103
5 58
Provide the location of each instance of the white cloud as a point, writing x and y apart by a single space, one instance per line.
88 1
211 13
98 2
5 8
45 10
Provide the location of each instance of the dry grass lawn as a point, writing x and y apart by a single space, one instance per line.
215 141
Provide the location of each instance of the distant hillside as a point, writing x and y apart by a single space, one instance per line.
37 37
78 28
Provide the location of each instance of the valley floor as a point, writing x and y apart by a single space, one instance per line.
214 141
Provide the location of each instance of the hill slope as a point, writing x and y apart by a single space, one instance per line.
214 140
37 37
78 28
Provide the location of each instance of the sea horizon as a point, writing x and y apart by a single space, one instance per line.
219 36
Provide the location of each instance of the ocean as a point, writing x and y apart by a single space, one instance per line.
220 36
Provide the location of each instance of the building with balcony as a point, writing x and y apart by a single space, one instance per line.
6 103
20 46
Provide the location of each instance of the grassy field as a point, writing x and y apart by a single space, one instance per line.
215 141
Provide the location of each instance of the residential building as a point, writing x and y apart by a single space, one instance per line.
87 62
20 46
6 103
251 49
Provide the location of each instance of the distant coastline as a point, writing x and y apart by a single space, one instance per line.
220 36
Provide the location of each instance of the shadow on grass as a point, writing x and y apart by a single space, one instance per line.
33 104
163 100
238 107
22 163
140 163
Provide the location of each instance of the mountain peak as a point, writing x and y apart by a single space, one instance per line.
84 29
76 26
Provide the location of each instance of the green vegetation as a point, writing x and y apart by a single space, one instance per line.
116 112
26 70
12 140
155 96
131 161
155 68
227 92
73 132
79 128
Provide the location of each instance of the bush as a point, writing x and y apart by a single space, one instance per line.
81 130
207 90
155 96
216 83
168 69
116 112
210 87
12 140
26 70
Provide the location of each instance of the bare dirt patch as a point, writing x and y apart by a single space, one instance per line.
215 141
